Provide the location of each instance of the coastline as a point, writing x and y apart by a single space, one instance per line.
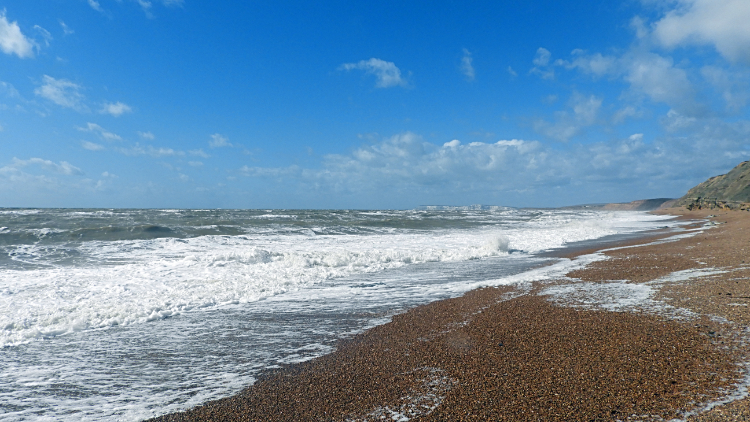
565 350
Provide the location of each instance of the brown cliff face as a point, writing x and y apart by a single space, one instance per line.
731 190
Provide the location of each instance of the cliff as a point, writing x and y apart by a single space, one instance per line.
640 205
731 190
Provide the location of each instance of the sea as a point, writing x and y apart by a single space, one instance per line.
126 314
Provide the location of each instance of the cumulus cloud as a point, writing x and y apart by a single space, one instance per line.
8 90
407 160
720 23
542 57
647 73
408 167
146 6
63 167
147 135
91 146
12 40
151 151
198 153
466 65
101 132
582 112
386 73
95 5
676 122
61 92
218 141
115 109
624 113
734 86
542 64
594 64
657 77
41 182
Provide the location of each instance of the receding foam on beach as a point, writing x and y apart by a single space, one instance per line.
293 280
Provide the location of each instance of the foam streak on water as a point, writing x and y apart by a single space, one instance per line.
125 314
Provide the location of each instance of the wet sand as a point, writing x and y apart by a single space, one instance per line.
512 354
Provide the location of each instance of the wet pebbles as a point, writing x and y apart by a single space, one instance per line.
485 357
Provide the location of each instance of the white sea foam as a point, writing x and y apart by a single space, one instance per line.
269 293
139 281
125 282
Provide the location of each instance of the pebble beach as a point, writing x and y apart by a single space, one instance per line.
656 331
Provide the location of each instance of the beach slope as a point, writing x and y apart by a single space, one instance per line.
655 331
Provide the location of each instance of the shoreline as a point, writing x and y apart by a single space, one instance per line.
507 354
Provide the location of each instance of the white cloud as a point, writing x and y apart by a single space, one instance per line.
657 77
116 109
149 150
91 146
636 137
721 23
163 152
624 113
12 40
733 86
63 167
675 122
542 57
45 34
198 153
146 6
595 64
218 141
103 133
43 183
407 167
66 29
582 112
272 172
452 144
512 72
466 66
387 74
407 158
542 64
95 5
9 90
147 135
648 74
195 163
639 26
61 92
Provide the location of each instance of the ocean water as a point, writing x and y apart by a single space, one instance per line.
117 314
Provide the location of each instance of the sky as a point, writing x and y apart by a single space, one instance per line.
368 104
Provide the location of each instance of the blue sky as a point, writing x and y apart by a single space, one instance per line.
387 104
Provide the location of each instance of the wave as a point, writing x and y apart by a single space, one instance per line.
68 287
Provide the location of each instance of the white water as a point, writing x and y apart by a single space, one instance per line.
128 329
